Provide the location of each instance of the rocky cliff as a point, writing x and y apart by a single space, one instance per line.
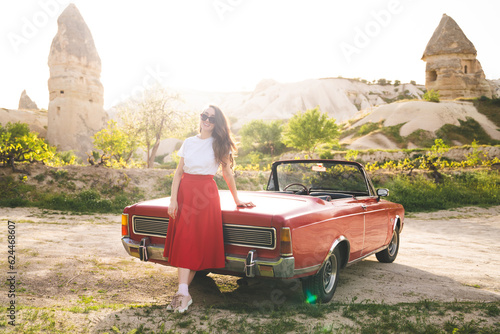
76 110
452 67
343 99
25 102
417 116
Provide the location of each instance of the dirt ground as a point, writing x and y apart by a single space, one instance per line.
69 261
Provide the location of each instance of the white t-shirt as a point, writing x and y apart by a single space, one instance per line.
199 157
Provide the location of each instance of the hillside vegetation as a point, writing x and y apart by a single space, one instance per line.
438 177
413 124
421 182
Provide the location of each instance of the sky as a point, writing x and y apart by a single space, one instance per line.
231 45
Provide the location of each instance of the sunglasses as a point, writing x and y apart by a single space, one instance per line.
204 117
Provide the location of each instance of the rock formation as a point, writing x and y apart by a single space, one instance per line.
36 119
418 116
342 99
26 103
76 101
452 67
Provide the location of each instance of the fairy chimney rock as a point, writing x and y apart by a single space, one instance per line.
76 101
25 103
452 67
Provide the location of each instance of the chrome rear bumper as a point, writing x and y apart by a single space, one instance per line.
249 266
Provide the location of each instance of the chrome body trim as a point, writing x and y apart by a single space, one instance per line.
283 267
307 269
155 252
143 249
398 218
250 263
366 255
317 267
332 248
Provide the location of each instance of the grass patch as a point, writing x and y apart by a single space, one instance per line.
468 131
392 132
421 138
490 108
16 193
422 317
367 128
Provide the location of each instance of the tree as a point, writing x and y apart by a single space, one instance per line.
153 117
18 144
262 136
382 82
306 130
431 96
115 143
438 149
432 160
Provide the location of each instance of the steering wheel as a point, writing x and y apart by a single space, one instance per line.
297 184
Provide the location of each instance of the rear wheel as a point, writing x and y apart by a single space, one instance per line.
322 286
389 254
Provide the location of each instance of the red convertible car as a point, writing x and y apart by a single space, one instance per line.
315 218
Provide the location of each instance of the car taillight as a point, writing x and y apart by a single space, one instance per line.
286 242
125 225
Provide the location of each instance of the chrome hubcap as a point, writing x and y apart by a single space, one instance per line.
330 274
394 244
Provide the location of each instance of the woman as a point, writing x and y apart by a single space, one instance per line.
194 237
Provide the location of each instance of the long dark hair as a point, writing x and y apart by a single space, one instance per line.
223 139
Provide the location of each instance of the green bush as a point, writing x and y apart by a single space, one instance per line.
165 184
490 108
19 144
368 127
393 133
85 201
468 131
431 96
18 194
420 193
13 202
262 136
14 192
305 131
326 155
421 138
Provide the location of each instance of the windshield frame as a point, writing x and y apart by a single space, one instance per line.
273 182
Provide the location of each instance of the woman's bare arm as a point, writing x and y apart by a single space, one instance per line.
173 206
227 173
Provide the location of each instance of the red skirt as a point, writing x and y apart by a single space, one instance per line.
195 238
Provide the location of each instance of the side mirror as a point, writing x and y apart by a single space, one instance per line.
382 192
